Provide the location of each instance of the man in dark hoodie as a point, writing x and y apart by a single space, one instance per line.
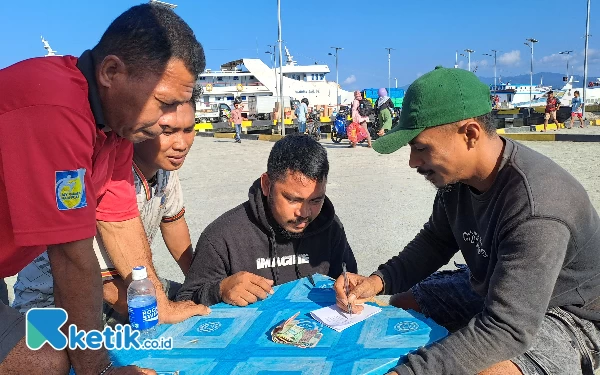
286 230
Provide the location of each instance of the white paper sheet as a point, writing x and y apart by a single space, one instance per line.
337 319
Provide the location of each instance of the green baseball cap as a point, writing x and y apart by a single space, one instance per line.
442 96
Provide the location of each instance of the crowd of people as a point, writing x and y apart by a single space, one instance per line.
83 199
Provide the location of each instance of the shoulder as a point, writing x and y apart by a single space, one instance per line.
222 226
54 81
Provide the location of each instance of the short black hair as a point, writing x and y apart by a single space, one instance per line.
487 123
145 37
298 153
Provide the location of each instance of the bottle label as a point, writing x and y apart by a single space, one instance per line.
143 317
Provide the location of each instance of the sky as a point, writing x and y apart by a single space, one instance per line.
423 33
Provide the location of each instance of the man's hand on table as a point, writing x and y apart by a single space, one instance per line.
244 288
171 312
361 289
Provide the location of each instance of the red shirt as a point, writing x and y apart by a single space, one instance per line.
59 171
550 105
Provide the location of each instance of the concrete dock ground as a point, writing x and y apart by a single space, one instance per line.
381 201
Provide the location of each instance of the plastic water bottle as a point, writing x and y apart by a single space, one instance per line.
141 303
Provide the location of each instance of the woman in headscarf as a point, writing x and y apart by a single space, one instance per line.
356 117
383 109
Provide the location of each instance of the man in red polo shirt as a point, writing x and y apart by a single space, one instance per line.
65 171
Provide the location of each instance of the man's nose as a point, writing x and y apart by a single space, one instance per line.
303 210
179 143
414 161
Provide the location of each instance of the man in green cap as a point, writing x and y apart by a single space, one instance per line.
528 299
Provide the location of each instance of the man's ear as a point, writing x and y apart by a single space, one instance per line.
265 184
473 132
110 68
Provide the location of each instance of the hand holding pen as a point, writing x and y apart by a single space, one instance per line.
352 290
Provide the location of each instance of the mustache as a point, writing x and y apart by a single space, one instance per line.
300 220
424 172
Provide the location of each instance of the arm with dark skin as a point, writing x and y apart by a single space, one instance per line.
78 289
176 235
128 247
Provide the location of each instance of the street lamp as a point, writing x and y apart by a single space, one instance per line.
494 56
279 40
396 79
568 55
585 57
530 42
389 69
274 64
337 78
469 51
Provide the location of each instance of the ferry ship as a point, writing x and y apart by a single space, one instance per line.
247 77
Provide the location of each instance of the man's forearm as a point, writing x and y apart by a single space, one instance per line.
78 290
177 238
127 246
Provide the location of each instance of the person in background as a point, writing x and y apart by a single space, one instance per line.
576 109
358 118
160 202
551 108
301 114
383 110
236 120
286 230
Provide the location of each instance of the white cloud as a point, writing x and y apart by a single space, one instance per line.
350 80
554 59
510 58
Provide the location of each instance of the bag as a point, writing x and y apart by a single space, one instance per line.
356 133
365 108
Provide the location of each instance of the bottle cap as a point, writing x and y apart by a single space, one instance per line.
139 273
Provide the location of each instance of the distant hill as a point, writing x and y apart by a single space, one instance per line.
549 79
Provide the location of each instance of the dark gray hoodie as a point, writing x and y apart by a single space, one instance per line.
247 238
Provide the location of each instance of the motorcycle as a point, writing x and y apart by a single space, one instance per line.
313 124
338 130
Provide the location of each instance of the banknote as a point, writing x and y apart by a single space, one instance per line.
290 333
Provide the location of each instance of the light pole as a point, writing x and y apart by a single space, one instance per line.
337 78
469 51
274 65
568 56
396 79
389 69
530 42
585 58
456 60
494 56
281 105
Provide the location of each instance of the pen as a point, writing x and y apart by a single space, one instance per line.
312 281
346 285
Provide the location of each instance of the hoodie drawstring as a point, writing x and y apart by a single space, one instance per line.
296 250
273 254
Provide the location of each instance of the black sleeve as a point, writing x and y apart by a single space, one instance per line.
390 104
341 252
209 267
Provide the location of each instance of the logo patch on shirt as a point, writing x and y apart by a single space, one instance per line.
70 189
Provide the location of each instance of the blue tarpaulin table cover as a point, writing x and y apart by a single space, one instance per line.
238 339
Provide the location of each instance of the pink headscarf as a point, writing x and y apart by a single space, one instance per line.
357 95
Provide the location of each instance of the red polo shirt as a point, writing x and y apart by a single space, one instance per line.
59 170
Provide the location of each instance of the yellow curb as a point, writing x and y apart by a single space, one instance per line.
203 126
530 137
224 135
269 137
501 131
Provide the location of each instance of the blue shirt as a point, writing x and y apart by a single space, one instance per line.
576 104
301 112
